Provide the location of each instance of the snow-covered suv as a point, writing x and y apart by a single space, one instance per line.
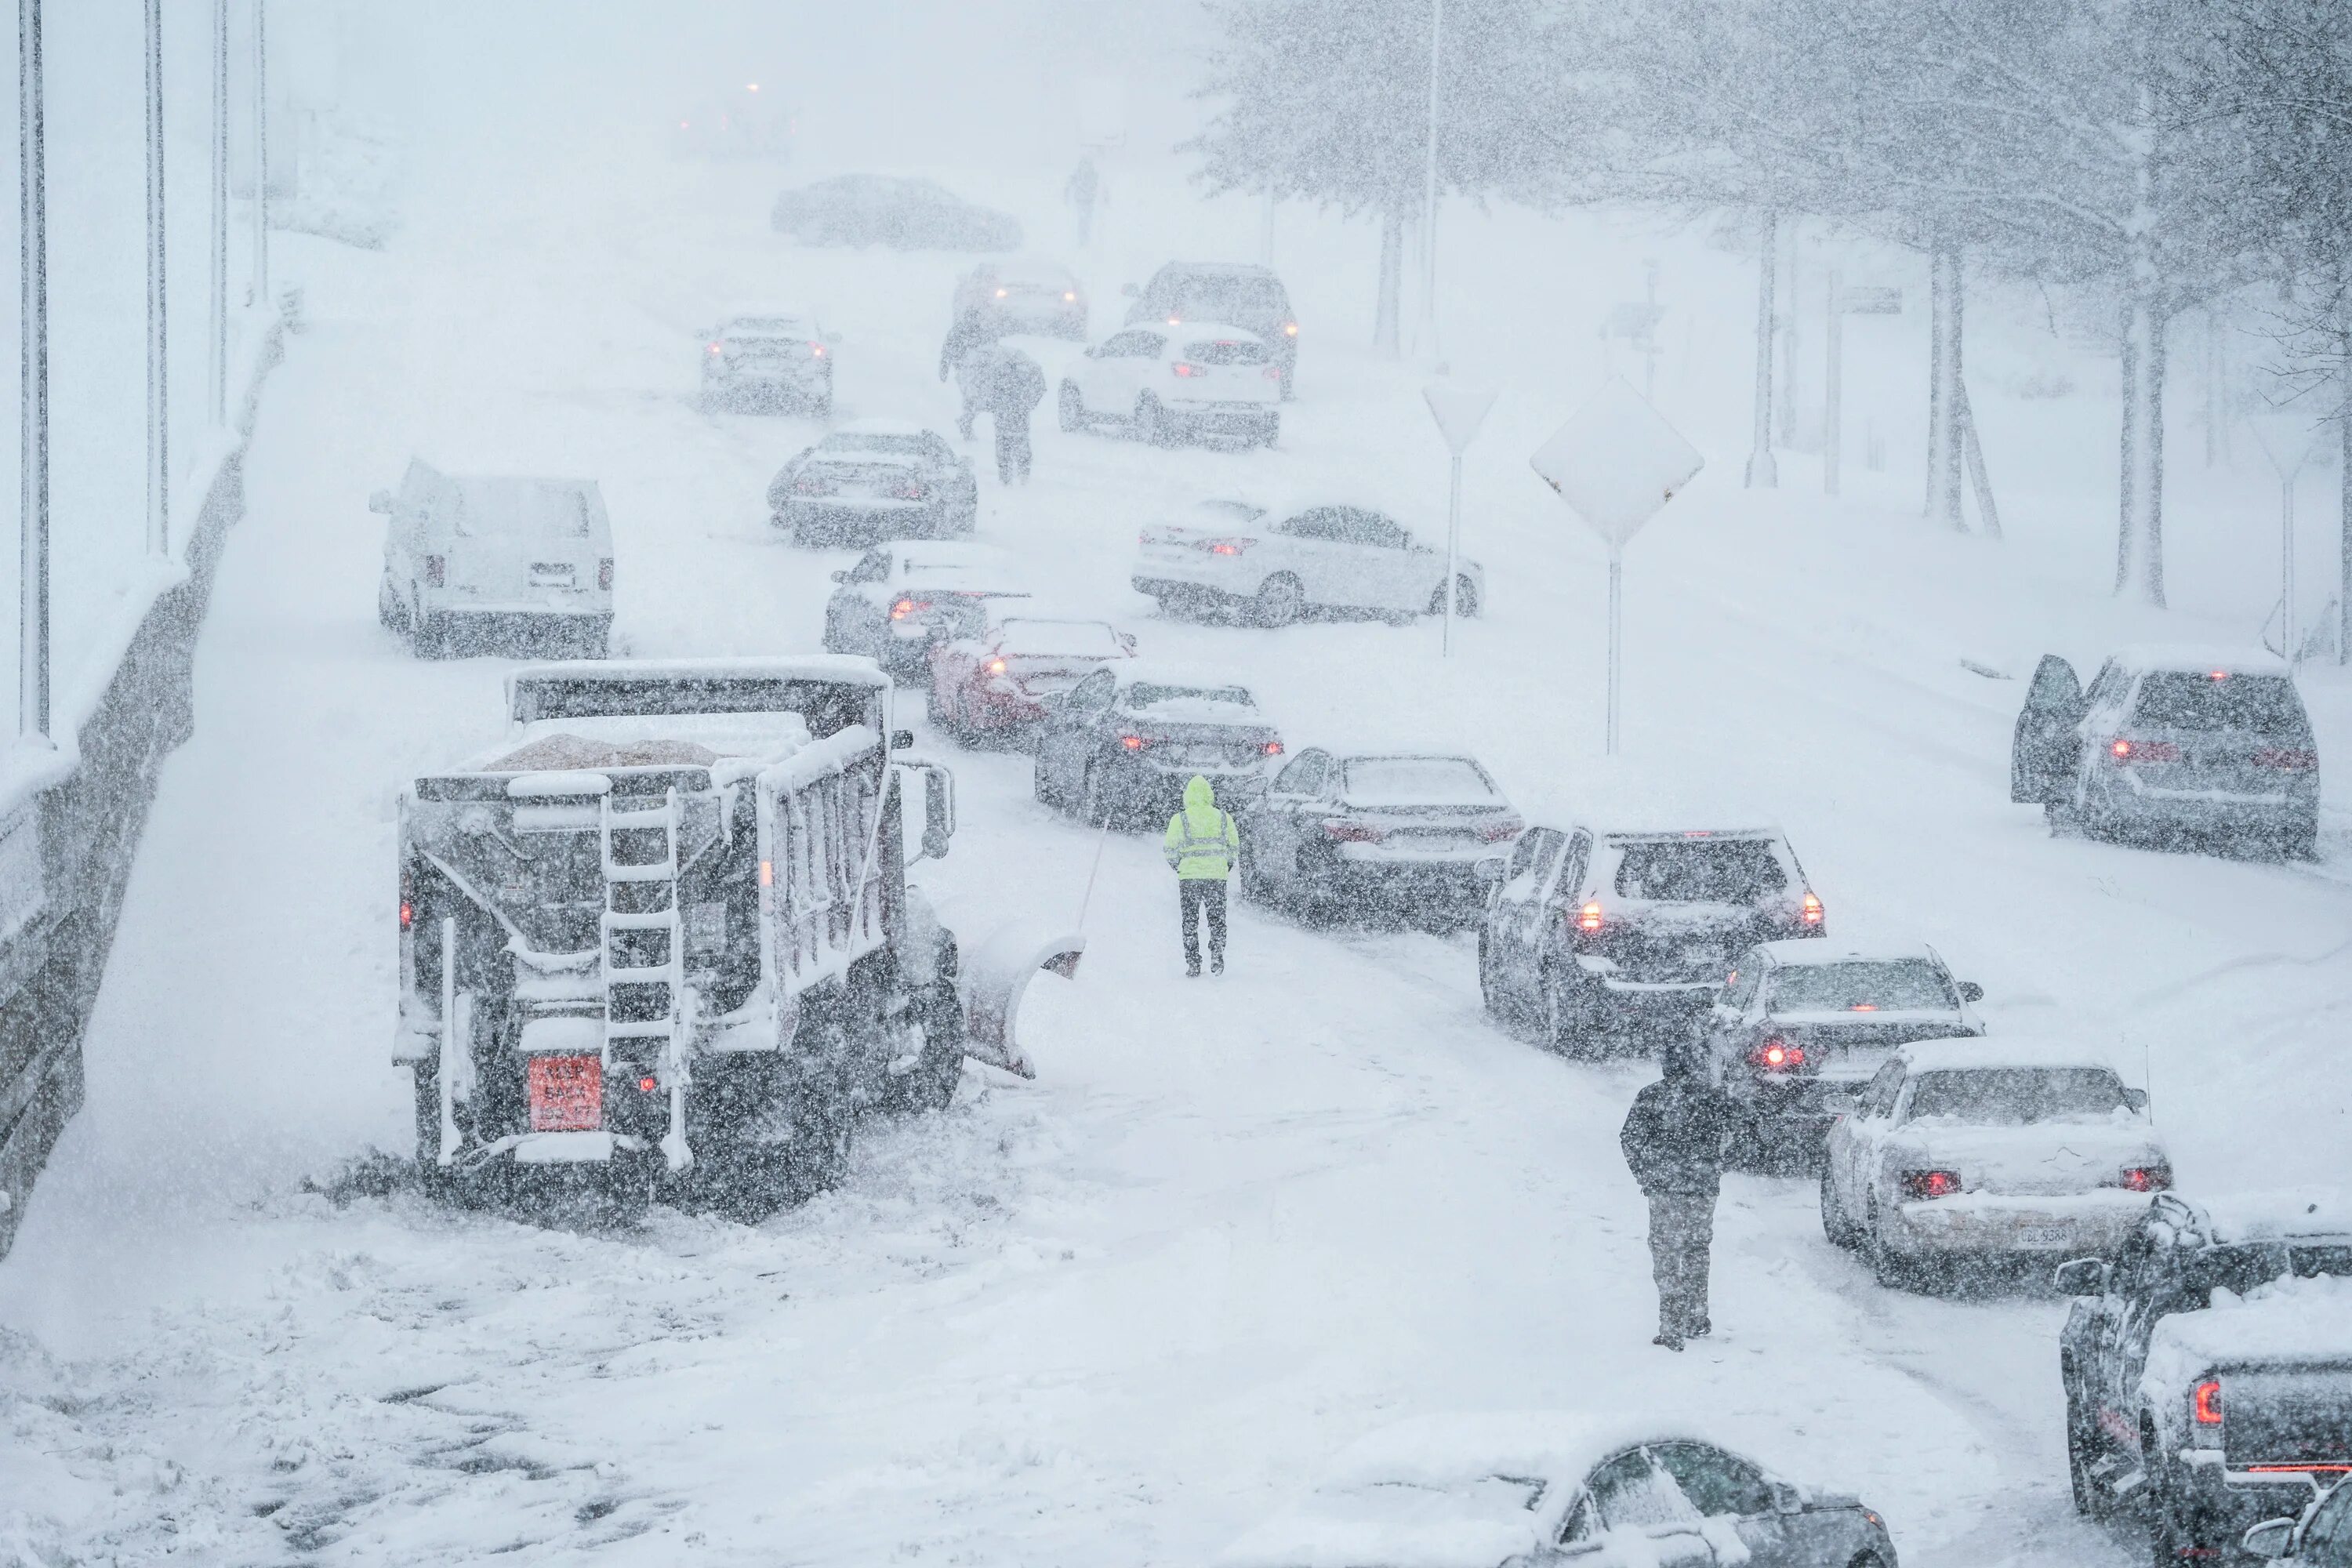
2208 1371
467 557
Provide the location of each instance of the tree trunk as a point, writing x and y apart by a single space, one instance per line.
2139 540
1384 320
2343 482
1763 471
1947 411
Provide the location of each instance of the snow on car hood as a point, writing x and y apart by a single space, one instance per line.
2285 1320
2073 1155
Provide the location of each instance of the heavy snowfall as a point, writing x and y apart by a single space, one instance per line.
939 1210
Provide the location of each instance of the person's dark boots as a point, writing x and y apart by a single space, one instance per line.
1192 969
1216 963
1703 1328
1672 1341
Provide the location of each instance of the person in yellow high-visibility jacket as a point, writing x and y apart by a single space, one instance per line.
1200 844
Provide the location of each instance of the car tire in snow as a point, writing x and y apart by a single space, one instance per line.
1836 1223
2092 1500
929 1083
1151 423
1565 1020
1280 600
1465 599
1073 408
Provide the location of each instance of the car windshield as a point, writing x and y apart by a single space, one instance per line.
2241 1267
1699 870
1063 639
1900 985
767 327
1229 298
492 509
2016 1097
1225 351
2184 700
1148 694
1416 780
855 446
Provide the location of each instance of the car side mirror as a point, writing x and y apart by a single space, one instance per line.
939 812
1127 641
380 502
1787 1498
1972 992
2083 1277
2269 1538
2137 1099
1130 291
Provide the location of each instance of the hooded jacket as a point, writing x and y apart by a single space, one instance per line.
1673 1136
1201 841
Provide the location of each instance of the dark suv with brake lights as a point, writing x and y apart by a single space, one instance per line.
1803 1025
2208 1371
2172 741
1586 930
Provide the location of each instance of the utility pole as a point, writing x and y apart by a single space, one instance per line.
260 153
1834 392
220 214
32 359
1429 193
158 403
1763 469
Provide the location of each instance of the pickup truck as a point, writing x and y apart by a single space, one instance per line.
2207 1371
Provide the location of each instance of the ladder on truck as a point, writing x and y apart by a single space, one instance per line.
650 888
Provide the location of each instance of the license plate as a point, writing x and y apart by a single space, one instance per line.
2041 1236
567 1093
551 574
1702 953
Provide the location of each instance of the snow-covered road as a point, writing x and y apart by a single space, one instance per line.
1114 1314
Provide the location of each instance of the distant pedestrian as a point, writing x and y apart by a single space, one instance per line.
1017 386
1200 844
1674 1139
969 354
1084 192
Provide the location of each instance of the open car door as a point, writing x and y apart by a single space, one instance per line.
2044 749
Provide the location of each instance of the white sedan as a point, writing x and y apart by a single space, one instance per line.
1277 565
1200 378
1988 1149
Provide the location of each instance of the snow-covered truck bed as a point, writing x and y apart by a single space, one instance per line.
661 934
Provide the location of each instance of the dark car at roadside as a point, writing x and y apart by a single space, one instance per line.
872 480
1121 744
1588 932
1351 833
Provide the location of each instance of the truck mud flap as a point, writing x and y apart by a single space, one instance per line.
995 977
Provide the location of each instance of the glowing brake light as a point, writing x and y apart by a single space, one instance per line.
1001 293
1812 914
902 609
2219 675
1778 1056
1589 917
2207 1401
1069 296
1863 1007
1223 546
1175 321
996 667
1930 1183
647 1084
2128 751
2145 1178
1132 743
1289 329
817 350
1274 748
1181 368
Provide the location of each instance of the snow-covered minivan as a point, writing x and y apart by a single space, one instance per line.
467 559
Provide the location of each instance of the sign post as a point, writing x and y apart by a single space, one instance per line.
1616 462
1458 412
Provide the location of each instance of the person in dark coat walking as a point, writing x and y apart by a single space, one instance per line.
1673 1142
1019 388
969 354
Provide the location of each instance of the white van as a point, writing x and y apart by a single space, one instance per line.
466 559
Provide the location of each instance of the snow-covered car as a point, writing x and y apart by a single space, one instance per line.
996 681
1800 1026
1336 831
1121 744
904 215
1588 930
899 597
1968 1152
2178 742
1276 565
1252 298
767 359
1024 294
467 558
2208 1369
1536 1489
875 480
2320 1538
1163 383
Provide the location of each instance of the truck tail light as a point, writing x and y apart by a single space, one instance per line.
436 571
905 607
2206 1400
1930 1183
567 1093
1589 918
1811 913
1354 832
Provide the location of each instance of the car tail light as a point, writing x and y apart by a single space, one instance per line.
1133 742
2206 1401
816 351
1069 296
2286 757
408 903
567 1093
1930 1183
905 607
1289 329
1354 832
1175 321
1001 293
1496 832
1274 748
436 571
718 348
996 667
1811 910
604 573
1778 1056
2130 751
1589 917
2145 1178
1181 368
1223 546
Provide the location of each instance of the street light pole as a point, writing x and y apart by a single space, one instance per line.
261 152
220 214
1763 469
159 431
33 362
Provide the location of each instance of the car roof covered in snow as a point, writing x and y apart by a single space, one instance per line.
1798 952
1222 269
876 427
1998 1051
1184 332
2200 659
1455 1491
2287 1214
736 317
1026 267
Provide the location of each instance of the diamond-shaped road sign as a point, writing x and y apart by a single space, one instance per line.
1459 412
1616 462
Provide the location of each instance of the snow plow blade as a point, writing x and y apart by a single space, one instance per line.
993 979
